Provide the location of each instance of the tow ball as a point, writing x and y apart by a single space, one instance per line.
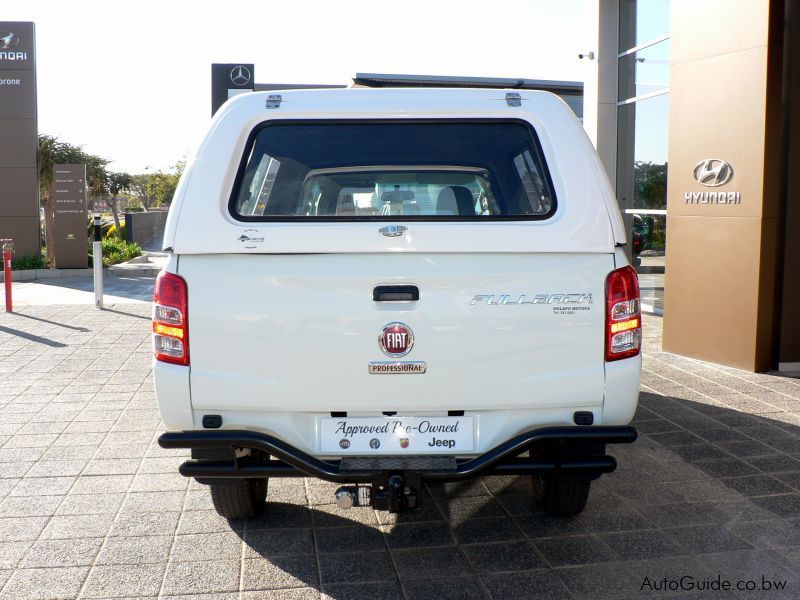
393 493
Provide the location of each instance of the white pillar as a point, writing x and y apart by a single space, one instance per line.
600 82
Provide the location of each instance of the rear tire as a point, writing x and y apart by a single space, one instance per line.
239 499
560 497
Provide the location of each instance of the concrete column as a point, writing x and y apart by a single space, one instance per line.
600 85
607 51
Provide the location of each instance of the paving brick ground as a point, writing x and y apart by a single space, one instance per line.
90 507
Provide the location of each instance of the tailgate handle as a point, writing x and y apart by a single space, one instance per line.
395 293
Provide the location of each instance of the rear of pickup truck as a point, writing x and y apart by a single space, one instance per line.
383 287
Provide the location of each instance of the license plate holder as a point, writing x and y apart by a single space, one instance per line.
397 435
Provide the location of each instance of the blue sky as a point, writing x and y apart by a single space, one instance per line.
131 80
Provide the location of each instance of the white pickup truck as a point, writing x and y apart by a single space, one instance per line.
382 287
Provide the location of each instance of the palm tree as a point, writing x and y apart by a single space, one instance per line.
117 182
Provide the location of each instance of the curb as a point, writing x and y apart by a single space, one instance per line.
132 270
36 274
126 270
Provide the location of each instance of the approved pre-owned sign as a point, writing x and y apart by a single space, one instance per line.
412 435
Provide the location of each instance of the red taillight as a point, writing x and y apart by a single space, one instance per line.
171 319
623 314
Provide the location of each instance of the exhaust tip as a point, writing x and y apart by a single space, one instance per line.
345 498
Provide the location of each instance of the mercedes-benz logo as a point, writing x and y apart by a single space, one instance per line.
8 40
712 172
240 75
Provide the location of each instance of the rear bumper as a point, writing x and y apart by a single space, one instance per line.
570 451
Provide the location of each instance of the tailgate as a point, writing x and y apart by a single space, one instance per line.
298 332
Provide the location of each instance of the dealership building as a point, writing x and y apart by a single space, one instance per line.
698 128
704 96
694 108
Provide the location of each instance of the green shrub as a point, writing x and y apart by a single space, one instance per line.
116 251
23 263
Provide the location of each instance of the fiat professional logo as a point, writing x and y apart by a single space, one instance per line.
713 172
396 339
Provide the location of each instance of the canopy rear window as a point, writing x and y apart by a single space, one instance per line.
390 170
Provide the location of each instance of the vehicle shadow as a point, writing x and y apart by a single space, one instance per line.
706 491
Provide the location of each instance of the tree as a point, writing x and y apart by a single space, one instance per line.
157 189
650 180
139 187
52 151
117 183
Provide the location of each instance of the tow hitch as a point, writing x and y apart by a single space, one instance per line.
397 495
393 492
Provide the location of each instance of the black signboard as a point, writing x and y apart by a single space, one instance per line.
227 80
19 186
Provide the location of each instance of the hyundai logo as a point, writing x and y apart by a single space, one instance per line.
8 40
240 75
713 172
396 339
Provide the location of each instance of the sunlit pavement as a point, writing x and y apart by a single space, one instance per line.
124 283
80 290
91 507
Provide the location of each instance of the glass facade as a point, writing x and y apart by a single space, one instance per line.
642 130
641 21
642 176
645 71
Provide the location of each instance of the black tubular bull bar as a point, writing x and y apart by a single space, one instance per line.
501 460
